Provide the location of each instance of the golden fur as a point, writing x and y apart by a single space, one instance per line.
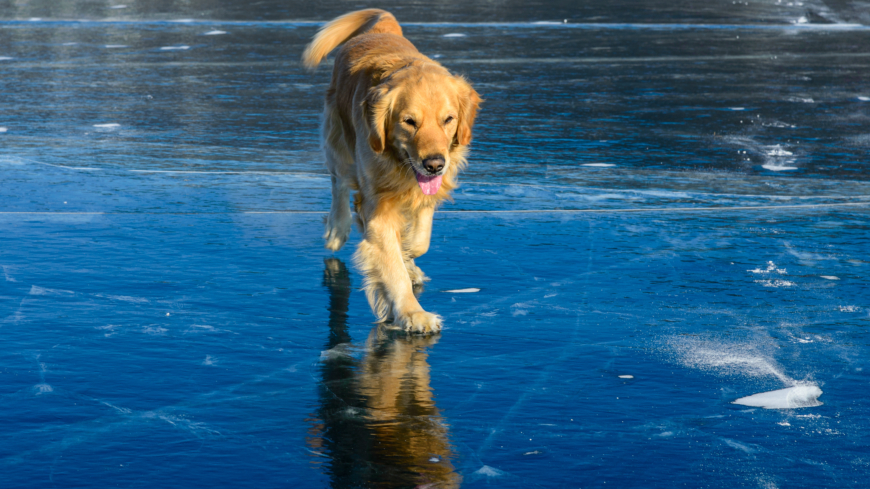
388 109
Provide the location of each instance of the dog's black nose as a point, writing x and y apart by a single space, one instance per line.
433 164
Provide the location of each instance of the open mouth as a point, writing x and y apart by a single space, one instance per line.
429 184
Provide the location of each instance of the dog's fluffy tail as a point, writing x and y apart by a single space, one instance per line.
339 30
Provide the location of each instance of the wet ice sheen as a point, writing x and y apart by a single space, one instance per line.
623 260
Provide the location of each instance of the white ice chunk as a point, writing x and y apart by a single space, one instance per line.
214 33
864 99
799 396
778 168
115 46
69 43
469 290
5 58
107 126
174 48
777 150
118 6
830 277
455 34
2 129
599 165
737 108
626 376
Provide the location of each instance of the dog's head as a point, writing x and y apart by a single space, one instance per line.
422 116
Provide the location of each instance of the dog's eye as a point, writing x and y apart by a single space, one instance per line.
410 122
449 119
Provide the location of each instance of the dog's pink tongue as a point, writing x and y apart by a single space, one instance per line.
429 185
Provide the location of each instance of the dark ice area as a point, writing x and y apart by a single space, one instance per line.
665 211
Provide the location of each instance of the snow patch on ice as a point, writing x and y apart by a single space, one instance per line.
488 472
734 359
771 268
775 283
37 290
798 396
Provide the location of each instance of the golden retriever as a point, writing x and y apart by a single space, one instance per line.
396 129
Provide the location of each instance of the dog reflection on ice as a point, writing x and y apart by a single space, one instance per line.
377 423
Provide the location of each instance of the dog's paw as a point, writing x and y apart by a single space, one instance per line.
417 276
336 235
420 322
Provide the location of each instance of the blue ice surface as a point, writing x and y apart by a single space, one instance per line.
675 205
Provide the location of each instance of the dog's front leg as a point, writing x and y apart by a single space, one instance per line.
388 287
416 243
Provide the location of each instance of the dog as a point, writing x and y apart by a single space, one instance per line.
396 130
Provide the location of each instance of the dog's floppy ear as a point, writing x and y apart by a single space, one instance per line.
377 107
469 101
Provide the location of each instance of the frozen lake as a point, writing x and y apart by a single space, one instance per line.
666 211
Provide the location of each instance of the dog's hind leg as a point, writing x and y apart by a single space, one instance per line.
338 162
339 219
416 243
